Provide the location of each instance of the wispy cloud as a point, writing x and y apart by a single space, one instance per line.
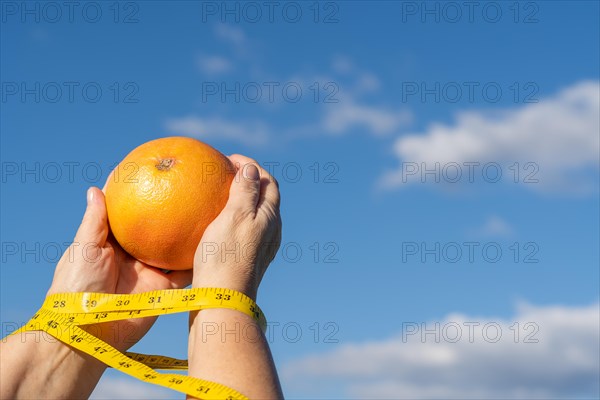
494 226
342 108
230 33
559 134
342 117
338 120
343 113
352 112
342 65
234 36
363 81
553 355
252 133
213 65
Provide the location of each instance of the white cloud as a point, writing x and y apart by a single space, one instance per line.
563 363
214 64
129 388
251 133
559 134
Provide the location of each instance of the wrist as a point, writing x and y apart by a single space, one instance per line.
217 326
64 357
36 359
238 282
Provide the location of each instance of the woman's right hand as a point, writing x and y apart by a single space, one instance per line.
238 246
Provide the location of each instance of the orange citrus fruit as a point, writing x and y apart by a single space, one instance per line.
163 195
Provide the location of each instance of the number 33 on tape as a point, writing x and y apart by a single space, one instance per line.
62 314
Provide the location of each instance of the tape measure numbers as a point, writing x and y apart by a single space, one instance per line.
63 313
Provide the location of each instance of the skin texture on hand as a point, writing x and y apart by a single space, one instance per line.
234 253
96 263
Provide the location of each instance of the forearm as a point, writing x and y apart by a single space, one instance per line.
228 347
34 365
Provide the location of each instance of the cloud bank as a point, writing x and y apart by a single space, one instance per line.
552 353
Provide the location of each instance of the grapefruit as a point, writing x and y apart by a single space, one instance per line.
163 195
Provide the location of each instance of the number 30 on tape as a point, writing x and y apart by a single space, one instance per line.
62 314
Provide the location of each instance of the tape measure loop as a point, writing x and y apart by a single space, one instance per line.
62 314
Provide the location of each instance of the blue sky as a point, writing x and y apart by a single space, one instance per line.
348 105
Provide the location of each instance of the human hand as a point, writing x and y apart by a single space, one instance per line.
95 262
234 253
238 246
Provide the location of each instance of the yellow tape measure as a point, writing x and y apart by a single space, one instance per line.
62 314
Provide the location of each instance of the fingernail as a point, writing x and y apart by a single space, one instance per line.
90 196
251 172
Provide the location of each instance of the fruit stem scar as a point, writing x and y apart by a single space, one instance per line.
165 164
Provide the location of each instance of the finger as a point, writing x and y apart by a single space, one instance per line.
269 190
244 193
94 226
239 160
234 158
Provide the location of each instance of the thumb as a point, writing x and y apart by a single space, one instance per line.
94 226
245 189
